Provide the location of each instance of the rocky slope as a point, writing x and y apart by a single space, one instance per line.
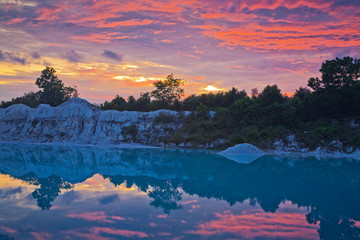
78 121
291 145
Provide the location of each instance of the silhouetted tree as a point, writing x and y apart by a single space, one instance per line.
302 93
336 73
166 197
50 188
270 95
143 102
168 90
54 92
337 92
31 99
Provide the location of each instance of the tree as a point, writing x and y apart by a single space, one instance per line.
270 95
336 74
168 90
191 102
31 99
337 93
118 103
302 93
143 102
54 92
254 93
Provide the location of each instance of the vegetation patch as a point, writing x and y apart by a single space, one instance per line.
129 132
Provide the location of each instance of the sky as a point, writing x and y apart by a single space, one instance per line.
108 47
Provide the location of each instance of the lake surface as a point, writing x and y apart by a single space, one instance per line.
59 192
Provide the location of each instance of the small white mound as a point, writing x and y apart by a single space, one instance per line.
242 149
243 153
76 107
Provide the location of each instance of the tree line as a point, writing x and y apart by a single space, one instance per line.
314 112
336 94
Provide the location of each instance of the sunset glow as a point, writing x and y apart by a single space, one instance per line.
107 48
212 88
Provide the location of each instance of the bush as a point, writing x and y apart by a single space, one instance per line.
164 118
129 132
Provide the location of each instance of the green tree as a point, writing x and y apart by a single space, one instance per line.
118 103
191 102
336 73
31 99
131 103
53 90
143 102
302 93
337 93
169 89
270 95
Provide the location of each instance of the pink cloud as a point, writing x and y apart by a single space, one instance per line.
95 216
8 230
87 236
41 235
120 232
16 20
258 224
98 37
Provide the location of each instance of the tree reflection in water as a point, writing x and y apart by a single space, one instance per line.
166 197
49 189
329 188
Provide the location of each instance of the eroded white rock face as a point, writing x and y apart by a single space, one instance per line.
79 121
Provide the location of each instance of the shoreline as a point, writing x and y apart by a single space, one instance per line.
355 155
74 144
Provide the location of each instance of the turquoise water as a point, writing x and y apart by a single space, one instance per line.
58 192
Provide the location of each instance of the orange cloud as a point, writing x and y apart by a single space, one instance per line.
281 34
276 38
248 33
47 14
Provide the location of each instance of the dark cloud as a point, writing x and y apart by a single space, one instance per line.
4 193
73 56
112 55
302 14
35 55
346 3
70 196
16 59
10 57
108 199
